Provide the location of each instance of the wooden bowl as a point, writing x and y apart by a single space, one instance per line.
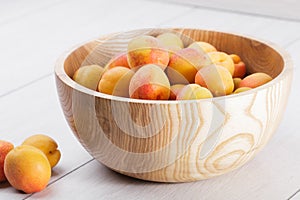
175 141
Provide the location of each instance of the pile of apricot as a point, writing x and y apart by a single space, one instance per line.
28 166
162 68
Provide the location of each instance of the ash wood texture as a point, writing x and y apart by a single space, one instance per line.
182 141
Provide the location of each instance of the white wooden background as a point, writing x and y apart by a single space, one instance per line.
34 33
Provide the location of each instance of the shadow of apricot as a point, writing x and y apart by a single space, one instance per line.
4 184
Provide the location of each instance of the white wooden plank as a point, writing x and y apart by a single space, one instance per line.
33 110
278 31
31 44
13 9
288 9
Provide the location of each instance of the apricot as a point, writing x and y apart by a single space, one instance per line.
255 80
242 89
5 148
184 65
202 47
116 81
222 59
239 70
149 82
171 41
88 76
174 91
118 61
47 145
27 169
216 78
236 82
239 66
146 49
193 91
235 58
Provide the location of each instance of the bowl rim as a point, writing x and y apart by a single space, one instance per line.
62 75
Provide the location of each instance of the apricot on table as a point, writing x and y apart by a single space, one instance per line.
5 148
193 91
47 145
27 169
254 80
146 49
216 78
222 59
149 82
88 76
184 65
116 81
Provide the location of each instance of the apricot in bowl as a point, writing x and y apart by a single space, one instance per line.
181 140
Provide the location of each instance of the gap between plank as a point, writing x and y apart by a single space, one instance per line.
54 181
227 10
291 197
25 85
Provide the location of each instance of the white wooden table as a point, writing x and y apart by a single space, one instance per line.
34 33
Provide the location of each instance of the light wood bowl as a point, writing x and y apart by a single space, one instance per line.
175 141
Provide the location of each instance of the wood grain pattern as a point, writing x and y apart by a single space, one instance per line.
176 141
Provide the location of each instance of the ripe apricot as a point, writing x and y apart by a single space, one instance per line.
174 91
242 89
146 49
184 65
116 81
88 76
216 78
236 82
239 66
118 61
235 58
203 46
149 82
171 41
255 80
222 59
47 145
5 148
27 169
239 70
193 91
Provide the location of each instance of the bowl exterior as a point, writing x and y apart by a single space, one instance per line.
177 141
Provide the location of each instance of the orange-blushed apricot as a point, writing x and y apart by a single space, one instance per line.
216 78
149 82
